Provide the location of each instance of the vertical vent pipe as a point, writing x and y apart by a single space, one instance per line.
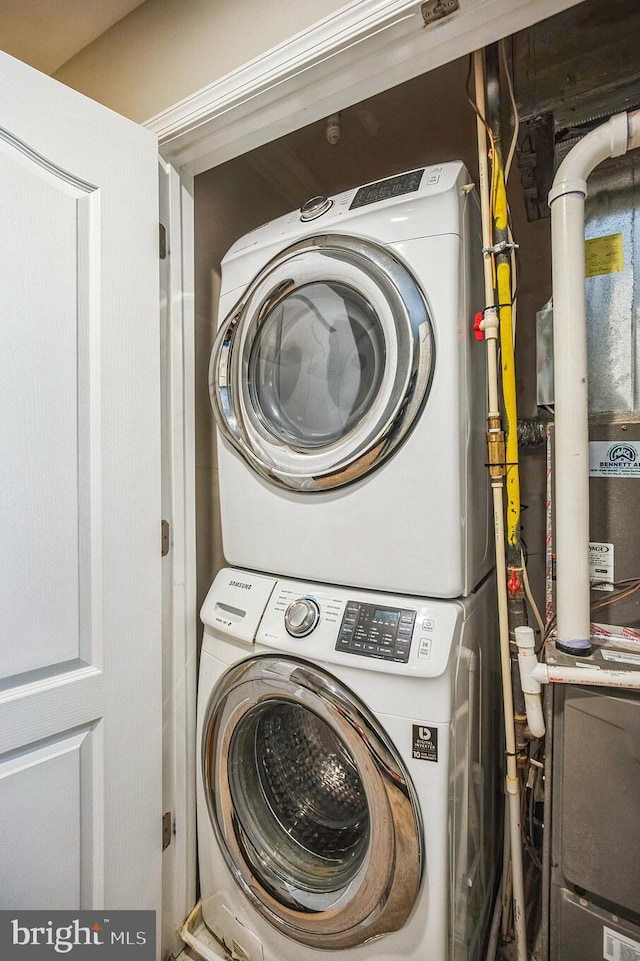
566 199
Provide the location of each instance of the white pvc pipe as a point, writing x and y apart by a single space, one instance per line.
587 675
527 662
566 200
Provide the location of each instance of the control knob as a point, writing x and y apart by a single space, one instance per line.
301 616
315 207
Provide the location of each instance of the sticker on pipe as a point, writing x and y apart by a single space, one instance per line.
601 566
614 459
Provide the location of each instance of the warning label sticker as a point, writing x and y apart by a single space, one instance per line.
623 657
604 255
614 459
425 743
618 947
601 565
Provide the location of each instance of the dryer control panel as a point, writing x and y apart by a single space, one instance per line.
376 631
386 189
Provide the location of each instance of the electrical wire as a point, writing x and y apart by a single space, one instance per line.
530 597
620 593
514 107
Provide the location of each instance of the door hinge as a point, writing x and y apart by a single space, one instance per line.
167 829
163 242
166 538
433 10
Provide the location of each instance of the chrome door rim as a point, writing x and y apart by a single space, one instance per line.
403 313
380 897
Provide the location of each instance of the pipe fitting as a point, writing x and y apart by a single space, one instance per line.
495 448
611 139
527 662
633 129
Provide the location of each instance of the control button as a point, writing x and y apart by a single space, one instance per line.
301 617
315 207
424 649
427 624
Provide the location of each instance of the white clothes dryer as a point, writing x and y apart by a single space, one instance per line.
348 745
349 390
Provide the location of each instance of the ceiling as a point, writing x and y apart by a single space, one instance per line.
47 33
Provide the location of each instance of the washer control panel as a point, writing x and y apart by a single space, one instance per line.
374 630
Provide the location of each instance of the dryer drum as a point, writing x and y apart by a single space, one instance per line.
314 811
321 370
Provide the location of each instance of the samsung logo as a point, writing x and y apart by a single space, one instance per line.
245 587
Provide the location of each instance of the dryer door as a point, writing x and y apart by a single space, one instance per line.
322 368
314 811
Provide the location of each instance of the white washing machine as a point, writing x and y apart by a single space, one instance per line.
349 390
348 747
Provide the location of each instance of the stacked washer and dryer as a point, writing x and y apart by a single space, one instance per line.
347 710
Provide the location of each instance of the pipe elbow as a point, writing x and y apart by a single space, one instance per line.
633 129
610 139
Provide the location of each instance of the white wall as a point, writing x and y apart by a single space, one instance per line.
166 50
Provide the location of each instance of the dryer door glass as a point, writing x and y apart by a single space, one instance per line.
316 364
313 809
323 367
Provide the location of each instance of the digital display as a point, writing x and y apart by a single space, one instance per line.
383 632
386 189
387 617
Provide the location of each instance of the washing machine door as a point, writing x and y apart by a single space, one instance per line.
313 809
320 371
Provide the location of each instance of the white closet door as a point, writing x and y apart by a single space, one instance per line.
80 540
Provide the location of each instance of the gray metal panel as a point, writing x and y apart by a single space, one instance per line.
614 503
613 311
582 63
595 836
579 930
613 299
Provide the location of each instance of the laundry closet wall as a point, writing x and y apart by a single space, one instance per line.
164 51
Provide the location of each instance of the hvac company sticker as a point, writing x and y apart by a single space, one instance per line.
425 743
614 459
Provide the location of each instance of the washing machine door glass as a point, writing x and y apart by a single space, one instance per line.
314 811
321 370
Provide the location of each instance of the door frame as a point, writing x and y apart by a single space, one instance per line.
331 66
327 68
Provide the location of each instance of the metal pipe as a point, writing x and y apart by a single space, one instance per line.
496 470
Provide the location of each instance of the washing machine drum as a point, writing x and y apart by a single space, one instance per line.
320 371
313 809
